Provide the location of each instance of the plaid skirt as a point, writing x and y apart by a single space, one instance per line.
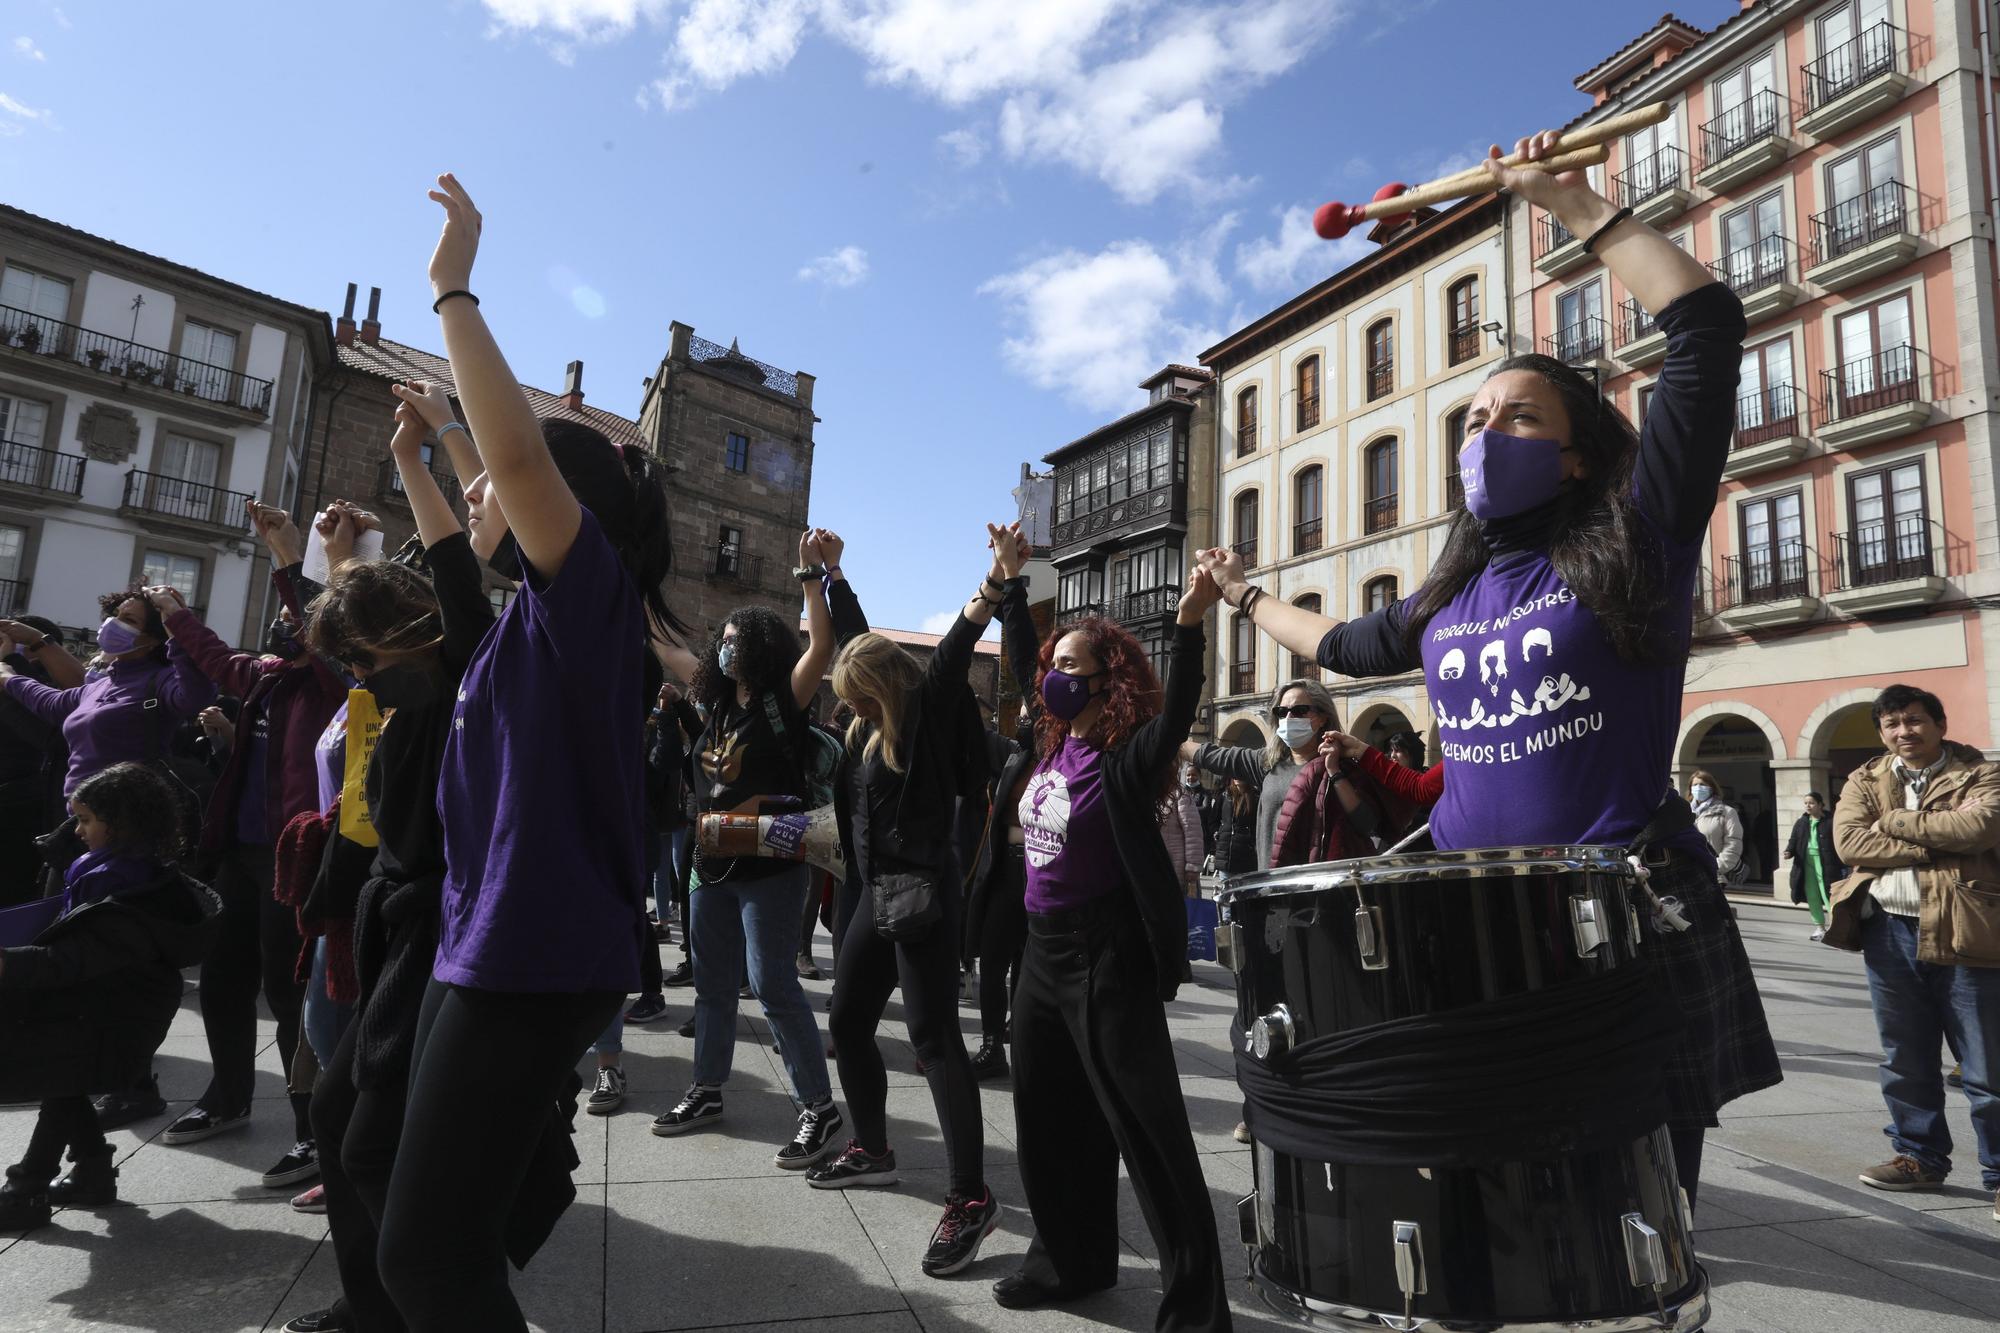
1725 1052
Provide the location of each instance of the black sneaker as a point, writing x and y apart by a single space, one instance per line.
686 1029
336 1318
301 1163
701 1106
115 1110
965 1225
991 1061
198 1124
609 1094
682 975
647 1009
814 1139
807 969
854 1167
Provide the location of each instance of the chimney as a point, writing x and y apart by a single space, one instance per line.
572 394
343 328
371 327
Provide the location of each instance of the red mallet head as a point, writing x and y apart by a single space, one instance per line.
1334 220
1390 191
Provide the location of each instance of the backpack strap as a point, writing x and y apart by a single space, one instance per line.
1673 816
776 716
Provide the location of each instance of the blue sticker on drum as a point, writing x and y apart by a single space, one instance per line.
788 834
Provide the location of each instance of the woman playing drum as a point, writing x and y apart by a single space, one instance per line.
1554 628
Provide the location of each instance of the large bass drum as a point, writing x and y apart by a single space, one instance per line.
1593 1240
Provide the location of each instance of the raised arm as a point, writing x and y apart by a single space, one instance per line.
952 662
1017 640
435 521
64 671
433 404
541 512
817 546
1156 744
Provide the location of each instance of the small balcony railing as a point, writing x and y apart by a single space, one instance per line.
1862 220
1242 677
1080 612
1634 322
1147 604
1584 340
731 563
1774 573
1464 345
1759 118
1381 380
1870 383
1304 668
1306 536
1666 169
1551 234
1887 552
38 469
13 598
389 482
176 497
1248 550
135 362
1770 413
1871 54
1379 514
1751 268
1308 414
1246 436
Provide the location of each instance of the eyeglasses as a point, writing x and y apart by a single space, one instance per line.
1296 710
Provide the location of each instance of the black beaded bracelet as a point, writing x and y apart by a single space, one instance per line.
1590 242
459 291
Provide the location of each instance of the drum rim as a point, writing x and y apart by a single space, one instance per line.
1418 867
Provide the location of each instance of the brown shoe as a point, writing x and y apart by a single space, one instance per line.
1241 1133
1901 1174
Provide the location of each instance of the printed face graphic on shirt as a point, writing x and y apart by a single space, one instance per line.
1453 665
1537 638
1550 693
1493 665
1045 817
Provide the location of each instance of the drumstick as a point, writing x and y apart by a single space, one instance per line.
1335 219
1413 836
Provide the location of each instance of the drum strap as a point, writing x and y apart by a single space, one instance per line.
1568 1068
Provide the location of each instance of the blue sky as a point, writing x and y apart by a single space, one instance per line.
978 223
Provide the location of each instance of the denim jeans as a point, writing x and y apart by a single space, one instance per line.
764 913
325 1019
1918 1006
611 1041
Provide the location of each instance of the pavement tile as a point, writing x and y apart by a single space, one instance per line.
1831 1149
1922 1251
1764 1274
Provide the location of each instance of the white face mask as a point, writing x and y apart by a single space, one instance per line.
1295 731
1700 792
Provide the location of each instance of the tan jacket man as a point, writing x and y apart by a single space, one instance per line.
1951 841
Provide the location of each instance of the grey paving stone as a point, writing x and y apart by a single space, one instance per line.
1834 1146
1763 1274
1921 1251
225 1167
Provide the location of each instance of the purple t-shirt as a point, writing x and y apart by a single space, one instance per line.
1531 697
123 715
1067 823
542 790
330 758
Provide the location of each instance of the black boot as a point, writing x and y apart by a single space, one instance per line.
24 1201
91 1183
118 1109
991 1061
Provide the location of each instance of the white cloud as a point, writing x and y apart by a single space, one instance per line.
20 110
845 267
720 41
966 148
62 19
939 622
25 48
1295 256
593 20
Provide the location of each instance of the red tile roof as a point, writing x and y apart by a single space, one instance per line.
1667 22
914 638
396 361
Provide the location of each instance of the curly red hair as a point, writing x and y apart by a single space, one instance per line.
1131 699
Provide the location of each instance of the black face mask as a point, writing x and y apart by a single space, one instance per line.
282 640
405 686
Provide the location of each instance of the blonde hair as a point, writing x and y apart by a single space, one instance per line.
872 667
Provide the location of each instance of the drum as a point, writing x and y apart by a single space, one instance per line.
1596 1240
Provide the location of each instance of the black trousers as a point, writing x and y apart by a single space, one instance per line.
23 818
487 1067
1687 1143
358 1134
866 970
1000 950
64 1122
1094 1081
257 946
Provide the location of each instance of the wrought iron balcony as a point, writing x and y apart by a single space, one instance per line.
1304 668
1780 572
1379 514
1148 604
1754 267
1760 117
1584 340
1634 322
1381 380
389 483
1248 550
13 598
1854 224
1887 552
1246 436
1463 344
1869 384
37 469
1766 414
26 332
1081 611
1306 536
1862 59
731 563
1666 169
1550 234
1242 677
189 501
1308 414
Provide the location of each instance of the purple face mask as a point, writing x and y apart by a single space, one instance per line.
1066 696
114 636
1504 475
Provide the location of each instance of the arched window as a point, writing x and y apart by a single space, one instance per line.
1379 481
1381 359
1379 594
1242 655
1463 300
1246 528
1246 422
1308 377
1308 506
1454 440
1305 668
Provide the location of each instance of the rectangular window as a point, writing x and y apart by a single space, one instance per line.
212 346
1889 520
499 599
736 452
1580 323
1116 463
13 552
1080 591
1774 561
729 550
1866 198
1100 484
185 476
1242 655
182 573
1065 493
1767 404
1878 361
36 293
23 421
1753 244
1381 360
1746 106
1308 408
1162 454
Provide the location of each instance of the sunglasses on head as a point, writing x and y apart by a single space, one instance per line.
1296 710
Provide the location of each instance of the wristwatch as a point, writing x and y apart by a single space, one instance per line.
807 573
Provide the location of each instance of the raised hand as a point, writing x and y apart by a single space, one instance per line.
407 444
1559 192
1226 568
166 600
1338 744
429 401
831 546
809 553
458 243
1010 550
337 532
1200 594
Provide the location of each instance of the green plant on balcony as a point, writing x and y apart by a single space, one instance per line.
29 338
96 358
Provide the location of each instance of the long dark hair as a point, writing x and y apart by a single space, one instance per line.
767 648
1132 694
1604 550
621 487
